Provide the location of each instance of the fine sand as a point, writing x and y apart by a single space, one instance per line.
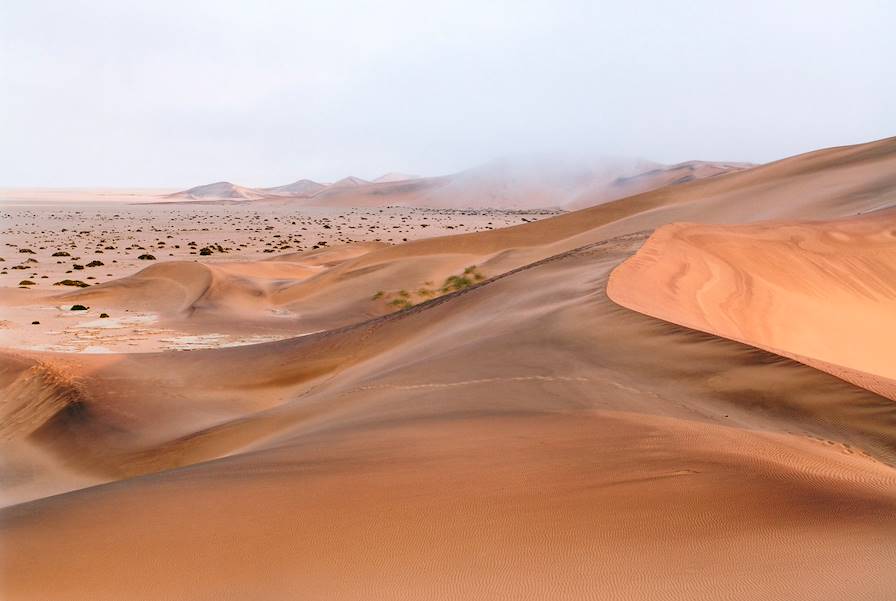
466 416
822 292
230 260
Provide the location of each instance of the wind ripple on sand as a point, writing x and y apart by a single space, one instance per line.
823 293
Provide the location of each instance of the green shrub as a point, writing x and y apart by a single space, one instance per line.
456 282
401 303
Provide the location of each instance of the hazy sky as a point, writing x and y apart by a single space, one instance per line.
176 93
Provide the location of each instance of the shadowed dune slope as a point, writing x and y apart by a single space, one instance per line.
822 292
525 437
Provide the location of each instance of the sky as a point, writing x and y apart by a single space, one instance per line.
179 93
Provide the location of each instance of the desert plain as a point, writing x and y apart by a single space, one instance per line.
656 382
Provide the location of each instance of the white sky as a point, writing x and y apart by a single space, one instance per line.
177 93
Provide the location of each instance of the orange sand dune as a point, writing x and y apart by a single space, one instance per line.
525 437
826 184
521 437
822 292
181 288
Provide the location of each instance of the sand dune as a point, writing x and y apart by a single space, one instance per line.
553 454
821 292
300 188
219 191
829 184
658 177
521 436
98 244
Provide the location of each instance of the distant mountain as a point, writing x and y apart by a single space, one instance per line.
530 183
522 184
219 191
302 187
651 179
349 182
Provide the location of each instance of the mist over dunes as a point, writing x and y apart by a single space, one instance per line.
502 184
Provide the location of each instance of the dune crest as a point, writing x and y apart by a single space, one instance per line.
821 292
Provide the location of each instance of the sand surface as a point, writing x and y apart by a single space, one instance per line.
822 292
253 252
520 435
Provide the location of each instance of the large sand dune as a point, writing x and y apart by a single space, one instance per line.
520 437
821 292
826 184
220 191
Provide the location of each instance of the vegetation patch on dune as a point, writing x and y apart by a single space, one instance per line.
404 299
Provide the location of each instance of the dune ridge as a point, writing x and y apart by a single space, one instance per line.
829 183
527 435
590 431
820 292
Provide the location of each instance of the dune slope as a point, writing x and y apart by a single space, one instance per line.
821 292
826 184
522 437
454 455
